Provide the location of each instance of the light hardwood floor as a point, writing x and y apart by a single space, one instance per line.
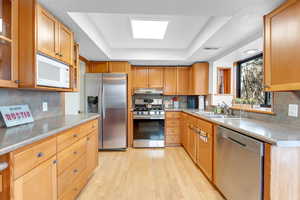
148 174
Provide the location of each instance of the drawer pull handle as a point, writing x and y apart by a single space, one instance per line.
75 135
3 166
40 154
75 152
75 171
54 161
88 139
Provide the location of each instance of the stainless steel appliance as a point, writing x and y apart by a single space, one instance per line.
106 94
52 73
148 123
239 165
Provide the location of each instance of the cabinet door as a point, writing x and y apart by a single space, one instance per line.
39 183
170 81
97 67
156 77
65 44
183 79
205 149
118 67
75 71
140 77
47 36
199 79
92 152
281 50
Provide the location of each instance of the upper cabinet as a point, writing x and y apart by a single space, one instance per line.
53 38
9 43
140 77
118 67
156 77
199 79
41 33
183 80
107 67
170 80
281 47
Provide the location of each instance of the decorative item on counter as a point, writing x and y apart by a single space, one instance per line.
175 102
16 115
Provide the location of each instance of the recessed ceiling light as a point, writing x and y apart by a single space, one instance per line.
146 29
252 51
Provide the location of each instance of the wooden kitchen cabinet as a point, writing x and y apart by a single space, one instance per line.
66 44
47 32
97 67
92 152
170 81
183 80
118 67
60 164
9 43
281 47
156 77
41 33
140 77
53 38
75 70
39 183
172 129
199 79
4 179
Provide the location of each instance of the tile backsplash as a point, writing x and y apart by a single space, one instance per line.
34 100
280 108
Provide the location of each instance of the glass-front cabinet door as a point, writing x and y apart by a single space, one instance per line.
8 43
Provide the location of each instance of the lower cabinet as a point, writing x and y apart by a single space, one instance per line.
172 129
51 173
39 183
196 136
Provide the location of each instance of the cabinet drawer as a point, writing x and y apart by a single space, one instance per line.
69 155
68 137
173 115
73 191
172 139
66 179
29 158
89 127
172 131
205 126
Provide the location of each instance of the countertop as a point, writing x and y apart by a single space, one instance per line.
19 136
272 133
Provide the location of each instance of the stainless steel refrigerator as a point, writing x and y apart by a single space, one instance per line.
106 94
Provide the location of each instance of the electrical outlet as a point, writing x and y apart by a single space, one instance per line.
45 106
293 110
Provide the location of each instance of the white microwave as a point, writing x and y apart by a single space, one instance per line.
52 73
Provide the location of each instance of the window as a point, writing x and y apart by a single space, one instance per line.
250 82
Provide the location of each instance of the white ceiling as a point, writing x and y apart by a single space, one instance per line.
103 29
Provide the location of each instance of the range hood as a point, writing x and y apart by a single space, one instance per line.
148 91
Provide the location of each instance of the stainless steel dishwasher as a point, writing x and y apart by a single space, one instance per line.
239 165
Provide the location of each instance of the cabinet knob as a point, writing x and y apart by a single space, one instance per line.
40 154
75 135
75 152
54 161
75 171
61 55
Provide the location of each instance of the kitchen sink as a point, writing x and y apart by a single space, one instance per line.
213 115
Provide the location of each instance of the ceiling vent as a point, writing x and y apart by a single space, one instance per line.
211 48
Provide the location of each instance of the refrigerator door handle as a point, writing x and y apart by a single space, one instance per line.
103 103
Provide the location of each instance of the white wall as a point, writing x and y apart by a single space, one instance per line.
74 100
227 61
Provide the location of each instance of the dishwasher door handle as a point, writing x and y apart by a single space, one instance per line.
237 142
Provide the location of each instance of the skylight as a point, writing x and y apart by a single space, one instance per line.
146 29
